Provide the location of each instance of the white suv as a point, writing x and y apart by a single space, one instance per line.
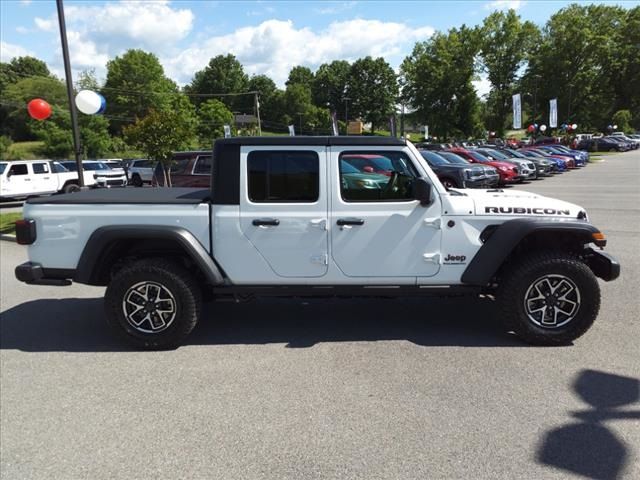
104 175
140 171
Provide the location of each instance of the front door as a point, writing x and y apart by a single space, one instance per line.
18 181
283 212
377 228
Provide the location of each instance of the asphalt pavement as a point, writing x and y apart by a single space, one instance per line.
294 389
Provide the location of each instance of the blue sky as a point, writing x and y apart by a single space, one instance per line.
267 37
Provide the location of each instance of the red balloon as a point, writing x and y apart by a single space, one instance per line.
531 128
39 109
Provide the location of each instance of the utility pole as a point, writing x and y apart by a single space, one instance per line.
72 105
257 103
300 121
346 114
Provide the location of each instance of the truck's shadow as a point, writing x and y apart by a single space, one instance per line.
79 324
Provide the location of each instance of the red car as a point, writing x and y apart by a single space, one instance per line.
189 169
508 172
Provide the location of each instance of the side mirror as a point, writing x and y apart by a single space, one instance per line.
422 191
9 173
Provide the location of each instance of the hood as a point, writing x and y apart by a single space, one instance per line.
500 163
519 203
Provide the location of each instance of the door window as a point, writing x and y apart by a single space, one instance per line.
203 165
283 176
376 177
40 168
18 169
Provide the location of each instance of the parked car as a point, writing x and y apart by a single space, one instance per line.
545 167
189 169
490 172
632 143
25 178
140 171
526 167
508 172
580 158
608 144
560 163
453 175
568 160
103 175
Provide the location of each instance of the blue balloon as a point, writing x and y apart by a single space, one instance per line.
103 105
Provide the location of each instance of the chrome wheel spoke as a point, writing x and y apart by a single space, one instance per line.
149 307
552 301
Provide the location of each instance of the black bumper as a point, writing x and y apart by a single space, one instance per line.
33 274
602 264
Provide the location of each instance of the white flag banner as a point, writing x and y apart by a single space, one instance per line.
334 123
292 131
553 112
426 132
227 131
517 112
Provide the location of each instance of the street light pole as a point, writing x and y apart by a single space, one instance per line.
72 105
346 114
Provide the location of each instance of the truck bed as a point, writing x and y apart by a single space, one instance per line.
166 196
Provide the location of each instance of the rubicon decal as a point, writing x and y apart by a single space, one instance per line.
526 210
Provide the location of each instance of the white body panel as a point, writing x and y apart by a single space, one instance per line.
63 230
40 179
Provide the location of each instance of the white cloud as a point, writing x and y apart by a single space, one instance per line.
22 30
505 4
44 24
482 85
275 46
9 51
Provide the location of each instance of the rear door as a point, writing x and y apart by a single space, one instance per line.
283 209
44 181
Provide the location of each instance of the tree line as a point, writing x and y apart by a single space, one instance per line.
586 56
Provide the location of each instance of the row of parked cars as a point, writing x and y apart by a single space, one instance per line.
616 142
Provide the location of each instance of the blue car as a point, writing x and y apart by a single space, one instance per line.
561 166
581 158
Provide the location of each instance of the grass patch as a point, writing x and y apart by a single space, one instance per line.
7 220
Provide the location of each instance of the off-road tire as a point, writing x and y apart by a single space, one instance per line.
518 279
71 188
177 280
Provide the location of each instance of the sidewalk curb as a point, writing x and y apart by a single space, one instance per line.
7 238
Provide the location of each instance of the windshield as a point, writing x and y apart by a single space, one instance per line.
518 155
59 168
433 158
3 166
95 166
478 157
454 158
495 154
71 166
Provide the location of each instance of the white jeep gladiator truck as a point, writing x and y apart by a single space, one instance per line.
285 216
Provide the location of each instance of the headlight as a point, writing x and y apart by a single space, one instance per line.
504 169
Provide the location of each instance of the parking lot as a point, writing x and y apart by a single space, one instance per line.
342 388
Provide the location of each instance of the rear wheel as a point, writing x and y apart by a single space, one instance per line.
136 180
549 298
71 188
154 304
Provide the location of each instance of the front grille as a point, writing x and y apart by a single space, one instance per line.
115 182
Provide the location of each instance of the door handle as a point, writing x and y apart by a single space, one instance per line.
266 222
350 221
27 179
319 223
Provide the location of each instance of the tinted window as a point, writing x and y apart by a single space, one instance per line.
394 184
178 166
93 166
203 165
283 176
433 158
478 157
40 168
18 169
142 164
58 168
2 167
454 158
71 166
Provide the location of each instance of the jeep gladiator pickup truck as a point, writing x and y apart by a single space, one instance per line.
285 217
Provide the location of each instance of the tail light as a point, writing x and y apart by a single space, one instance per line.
25 231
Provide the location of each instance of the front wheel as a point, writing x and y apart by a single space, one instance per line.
549 298
136 180
71 188
154 304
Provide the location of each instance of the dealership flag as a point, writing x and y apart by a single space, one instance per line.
517 112
227 131
334 123
392 126
292 131
553 112
426 132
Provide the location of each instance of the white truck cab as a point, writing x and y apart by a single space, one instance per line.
290 217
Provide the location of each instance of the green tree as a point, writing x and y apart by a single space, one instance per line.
5 143
162 132
331 86
437 80
622 118
223 74
20 68
373 90
504 45
212 116
135 84
87 80
301 76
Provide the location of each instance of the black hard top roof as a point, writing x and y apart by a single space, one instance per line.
315 141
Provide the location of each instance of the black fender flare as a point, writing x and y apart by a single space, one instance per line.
102 237
502 241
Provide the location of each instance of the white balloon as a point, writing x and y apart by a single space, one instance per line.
574 126
543 128
89 102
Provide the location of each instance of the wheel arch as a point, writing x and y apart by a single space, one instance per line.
109 247
508 240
